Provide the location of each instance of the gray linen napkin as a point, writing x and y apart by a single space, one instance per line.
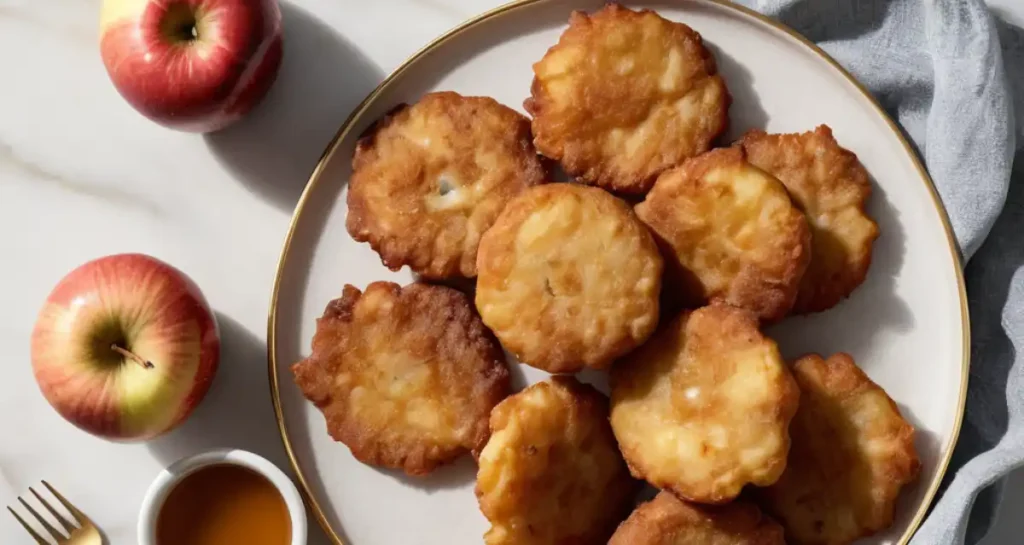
950 73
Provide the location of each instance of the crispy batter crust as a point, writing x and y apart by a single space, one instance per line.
729 233
830 185
704 407
852 453
625 95
430 178
667 520
569 278
551 472
405 377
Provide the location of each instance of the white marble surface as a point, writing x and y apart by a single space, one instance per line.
82 175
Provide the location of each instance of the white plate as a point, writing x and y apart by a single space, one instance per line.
906 326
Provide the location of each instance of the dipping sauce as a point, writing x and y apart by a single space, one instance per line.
224 504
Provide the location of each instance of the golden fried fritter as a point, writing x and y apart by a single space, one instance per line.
625 95
729 233
430 178
667 520
852 453
568 278
830 185
405 377
551 473
704 407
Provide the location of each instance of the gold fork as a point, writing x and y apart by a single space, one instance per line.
86 533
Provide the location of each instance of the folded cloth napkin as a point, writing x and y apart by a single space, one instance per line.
950 72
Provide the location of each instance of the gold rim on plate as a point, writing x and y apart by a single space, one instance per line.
360 110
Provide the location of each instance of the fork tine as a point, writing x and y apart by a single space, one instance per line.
63 521
79 516
52 531
39 539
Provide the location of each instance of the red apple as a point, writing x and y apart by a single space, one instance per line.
125 347
194 65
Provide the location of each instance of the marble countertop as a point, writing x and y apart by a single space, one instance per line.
83 175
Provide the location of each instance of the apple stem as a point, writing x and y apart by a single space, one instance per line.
146 364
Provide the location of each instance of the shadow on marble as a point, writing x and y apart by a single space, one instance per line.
322 78
237 412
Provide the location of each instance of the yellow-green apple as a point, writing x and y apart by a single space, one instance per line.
125 347
194 65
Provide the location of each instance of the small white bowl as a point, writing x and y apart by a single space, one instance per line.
171 476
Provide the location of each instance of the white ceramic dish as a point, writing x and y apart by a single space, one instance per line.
906 326
170 477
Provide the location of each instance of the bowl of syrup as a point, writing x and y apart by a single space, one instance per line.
222 497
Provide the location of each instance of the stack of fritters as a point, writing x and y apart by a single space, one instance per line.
429 179
570 277
831 187
730 234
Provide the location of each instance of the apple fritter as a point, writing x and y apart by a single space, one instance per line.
830 185
704 407
568 278
430 178
551 472
406 377
852 454
667 520
625 95
729 233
